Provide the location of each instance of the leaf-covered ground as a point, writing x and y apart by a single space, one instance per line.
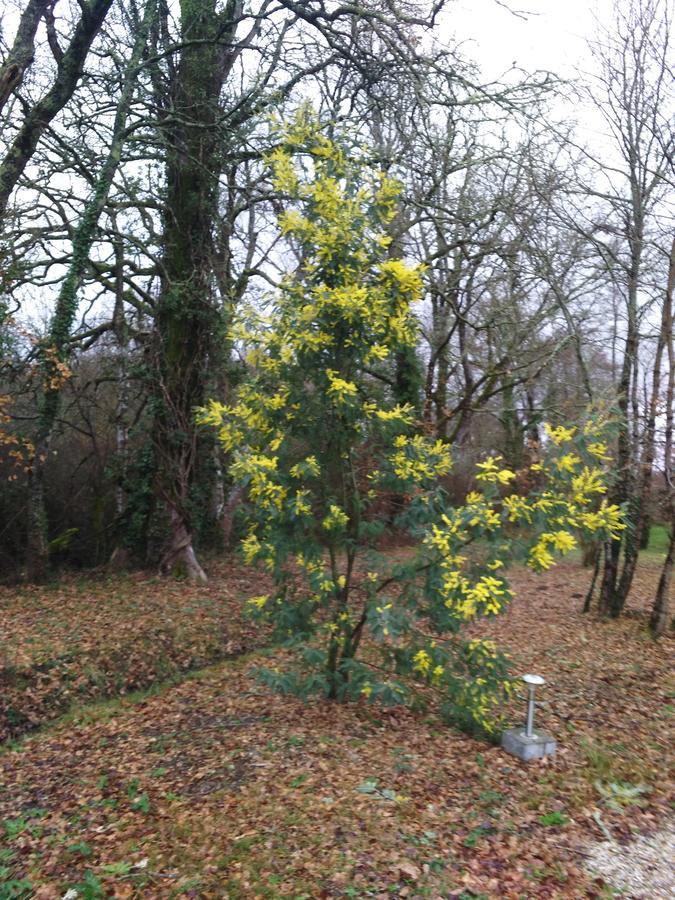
85 638
213 787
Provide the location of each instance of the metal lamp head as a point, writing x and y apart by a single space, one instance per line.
534 680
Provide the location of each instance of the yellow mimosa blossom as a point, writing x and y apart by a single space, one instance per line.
408 279
589 481
567 463
599 450
337 518
339 388
559 435
490 472
422 662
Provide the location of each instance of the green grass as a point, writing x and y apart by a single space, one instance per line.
659 537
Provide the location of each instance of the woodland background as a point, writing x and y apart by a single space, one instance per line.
138 214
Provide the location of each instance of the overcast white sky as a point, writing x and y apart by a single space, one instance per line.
552 35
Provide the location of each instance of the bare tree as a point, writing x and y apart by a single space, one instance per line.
634 95
69 63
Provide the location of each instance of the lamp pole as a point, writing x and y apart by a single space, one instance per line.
532 682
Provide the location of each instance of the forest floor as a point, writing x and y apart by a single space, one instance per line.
207 785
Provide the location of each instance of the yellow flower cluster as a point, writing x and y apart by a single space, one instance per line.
398 413
480 699
422 663
309 466
482 648
606 517
599 450
588 482
407 280
336 520
339 389
481 514
260 471
417 460
559 435
540 555
487 596
491 472
518 508
567 462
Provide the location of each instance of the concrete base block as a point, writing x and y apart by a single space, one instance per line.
516 742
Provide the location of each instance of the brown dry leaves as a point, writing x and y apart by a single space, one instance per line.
216 788
87 638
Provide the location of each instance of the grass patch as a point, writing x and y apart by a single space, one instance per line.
659 538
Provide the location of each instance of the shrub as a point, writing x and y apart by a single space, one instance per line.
317 435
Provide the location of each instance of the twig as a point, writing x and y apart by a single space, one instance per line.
597 818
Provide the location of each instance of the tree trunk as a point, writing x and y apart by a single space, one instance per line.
589 553
234 500
660 611
121 330
614 589
188 319
20 57
596 570
120 555
37 551
514 446
179 557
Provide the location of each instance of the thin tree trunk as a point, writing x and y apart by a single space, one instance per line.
613 596
37 552
658 621
514 447
56 350
121 330
120 553
596 570
233 502
609 575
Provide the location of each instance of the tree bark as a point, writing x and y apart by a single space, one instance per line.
21 56
658 621
179 557
188 319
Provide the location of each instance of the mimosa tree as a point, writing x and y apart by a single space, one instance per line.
319 441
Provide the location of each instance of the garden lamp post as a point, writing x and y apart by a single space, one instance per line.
523 742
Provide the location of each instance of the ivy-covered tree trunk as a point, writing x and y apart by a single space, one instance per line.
188 318
56 349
